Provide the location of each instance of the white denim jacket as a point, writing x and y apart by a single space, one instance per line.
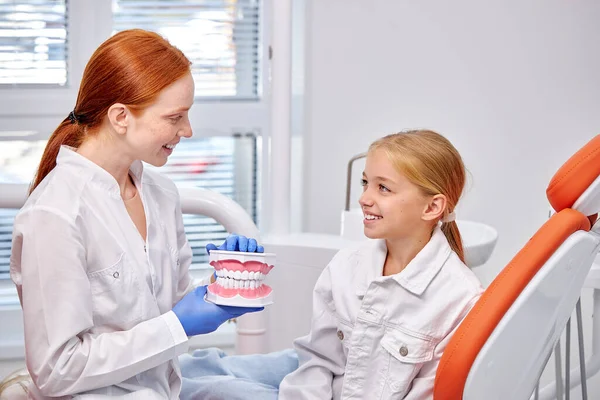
381 337
96 297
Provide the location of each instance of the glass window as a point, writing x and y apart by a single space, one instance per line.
33 42
220 37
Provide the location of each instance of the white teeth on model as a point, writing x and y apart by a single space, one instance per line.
170 146
369 216
232 283
241 275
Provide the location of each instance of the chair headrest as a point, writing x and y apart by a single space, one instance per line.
577 183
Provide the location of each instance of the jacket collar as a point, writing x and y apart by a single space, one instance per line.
99 176
417 275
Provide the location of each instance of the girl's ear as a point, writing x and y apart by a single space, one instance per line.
435 208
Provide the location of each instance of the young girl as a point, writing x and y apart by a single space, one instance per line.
384 312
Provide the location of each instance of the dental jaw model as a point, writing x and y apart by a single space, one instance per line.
240 278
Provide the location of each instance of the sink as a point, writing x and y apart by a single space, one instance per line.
479 240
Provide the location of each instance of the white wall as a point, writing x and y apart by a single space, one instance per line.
514 85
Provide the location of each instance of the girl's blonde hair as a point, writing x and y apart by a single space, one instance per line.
431 162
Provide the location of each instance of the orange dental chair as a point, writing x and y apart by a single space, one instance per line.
502 346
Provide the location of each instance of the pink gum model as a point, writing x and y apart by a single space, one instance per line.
240 278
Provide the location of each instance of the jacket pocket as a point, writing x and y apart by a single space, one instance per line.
107 279
406 354
115 294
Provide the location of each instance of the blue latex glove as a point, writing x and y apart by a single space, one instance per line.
237 243
199 316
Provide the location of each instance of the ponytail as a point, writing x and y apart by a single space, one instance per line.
67 133
452 234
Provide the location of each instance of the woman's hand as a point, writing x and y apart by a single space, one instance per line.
237 243
198 316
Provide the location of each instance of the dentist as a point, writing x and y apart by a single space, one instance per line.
100 258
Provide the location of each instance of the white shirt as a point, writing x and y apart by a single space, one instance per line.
381 337
96 297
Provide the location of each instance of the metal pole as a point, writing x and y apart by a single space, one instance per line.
581 352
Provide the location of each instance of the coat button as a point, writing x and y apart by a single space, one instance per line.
116 275
340 335
403 351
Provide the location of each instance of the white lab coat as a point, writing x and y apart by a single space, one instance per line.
381 337
96 298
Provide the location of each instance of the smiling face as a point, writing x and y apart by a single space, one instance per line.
393 207
153 135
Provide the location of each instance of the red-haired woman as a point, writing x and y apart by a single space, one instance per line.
100 258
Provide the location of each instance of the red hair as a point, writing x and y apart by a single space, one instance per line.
132 67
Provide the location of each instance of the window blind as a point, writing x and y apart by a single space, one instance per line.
220 37
33 42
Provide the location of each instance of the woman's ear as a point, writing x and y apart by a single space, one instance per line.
435 208
118 118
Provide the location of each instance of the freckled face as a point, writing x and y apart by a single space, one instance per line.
154 134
